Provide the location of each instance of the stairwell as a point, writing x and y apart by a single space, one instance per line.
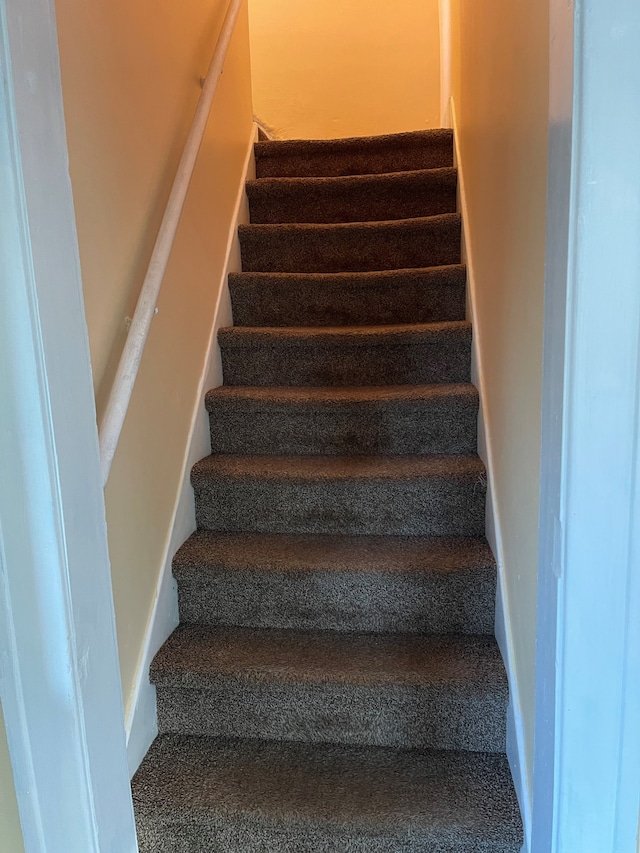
334 685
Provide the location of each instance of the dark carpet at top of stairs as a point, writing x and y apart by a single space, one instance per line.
400 152
364 198
351 247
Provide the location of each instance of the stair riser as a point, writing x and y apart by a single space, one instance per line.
410 602
443 426
371 160
437 359
300 302
382 201
232 834
395 716
451 506
351 248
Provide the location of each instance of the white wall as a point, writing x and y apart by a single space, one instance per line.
131 82
354 68
500 87
60 679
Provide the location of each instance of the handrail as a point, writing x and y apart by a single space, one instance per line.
122 389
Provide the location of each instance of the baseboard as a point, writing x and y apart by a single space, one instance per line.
265 132
515 728
141 720
444 15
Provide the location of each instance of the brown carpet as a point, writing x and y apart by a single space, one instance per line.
335 686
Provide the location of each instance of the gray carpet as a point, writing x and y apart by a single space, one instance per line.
401 152
361 420
351 247
335 686
363 198
255 796
388 495
401 690
389 584
349 355
385 298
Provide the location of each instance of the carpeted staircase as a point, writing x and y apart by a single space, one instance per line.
335 686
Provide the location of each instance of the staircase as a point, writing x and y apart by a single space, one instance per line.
334 685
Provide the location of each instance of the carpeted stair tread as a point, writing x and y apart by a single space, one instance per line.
399 152
358 198
414 354
355 336
209 551
351 247
340 583
385 297
375 495
318 468
395 419
194 794
196 656
360 394
404 690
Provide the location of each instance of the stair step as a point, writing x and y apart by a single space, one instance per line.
418 354
399 152
198 795
351 247
402 690
396 419
389 297
369 495
339 583
358 198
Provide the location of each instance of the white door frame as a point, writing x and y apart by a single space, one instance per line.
587 742
59 675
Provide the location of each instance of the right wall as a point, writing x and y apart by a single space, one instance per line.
500 82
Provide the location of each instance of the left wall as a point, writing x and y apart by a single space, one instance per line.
130 75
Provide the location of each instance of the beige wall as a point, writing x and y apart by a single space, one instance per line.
501 97
357 67
130 83
10 832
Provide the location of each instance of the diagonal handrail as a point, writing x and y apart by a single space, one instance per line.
122 389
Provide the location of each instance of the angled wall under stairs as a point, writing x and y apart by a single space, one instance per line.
334 684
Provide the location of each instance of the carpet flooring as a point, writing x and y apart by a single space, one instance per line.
335 685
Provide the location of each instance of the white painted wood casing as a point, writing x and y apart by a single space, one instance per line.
59 674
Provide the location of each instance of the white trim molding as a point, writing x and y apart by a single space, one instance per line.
515 727
587 744
446 62
141 721
59 673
